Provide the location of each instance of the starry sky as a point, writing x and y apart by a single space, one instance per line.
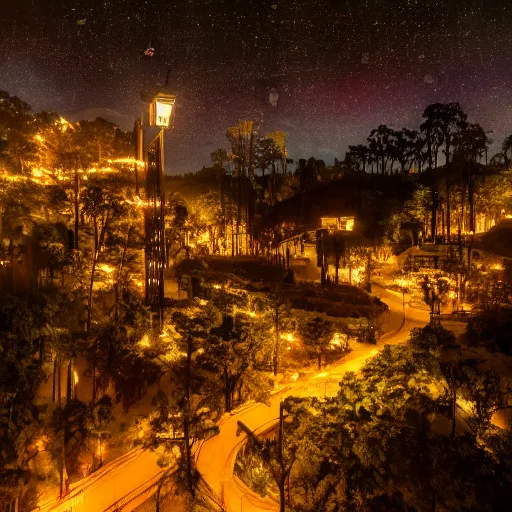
340 67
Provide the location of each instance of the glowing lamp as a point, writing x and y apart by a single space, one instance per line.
160 110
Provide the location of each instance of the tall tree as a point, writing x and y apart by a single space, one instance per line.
446 120
379 143
316 335
472 142
100 207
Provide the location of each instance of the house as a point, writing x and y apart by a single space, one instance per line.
356 209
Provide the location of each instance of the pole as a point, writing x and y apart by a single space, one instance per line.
162 234
280 457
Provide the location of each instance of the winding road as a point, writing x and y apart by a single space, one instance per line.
130 480
216 457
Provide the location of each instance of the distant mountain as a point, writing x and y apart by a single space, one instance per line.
121 119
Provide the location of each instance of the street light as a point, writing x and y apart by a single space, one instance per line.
161 109
403 288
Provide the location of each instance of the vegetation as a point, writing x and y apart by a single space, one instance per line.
71 275
380 444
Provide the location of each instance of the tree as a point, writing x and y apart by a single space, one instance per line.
100 207
17 129
472 142
102 415
232 353
456 374
268 154
21 418
445 120
316 335
220 157
506 148
360 154
433 292
277 305
417 209
336 247
379 144
191 393
72 428
405 149
488 395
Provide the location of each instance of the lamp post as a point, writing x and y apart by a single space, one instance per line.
403 289
161 108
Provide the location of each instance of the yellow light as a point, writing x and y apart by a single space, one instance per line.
160 110
144 341
288 336
133 161
108 269
337 339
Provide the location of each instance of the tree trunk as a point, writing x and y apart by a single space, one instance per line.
337 270
41 351
454 410
448 212
282 493
64 482
433 220
93 383
54 377
69 386
276 349
59 387
471 200
227 391
76 203
186 422
319 361
89 297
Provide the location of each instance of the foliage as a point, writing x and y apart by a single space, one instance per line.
316 335
372 447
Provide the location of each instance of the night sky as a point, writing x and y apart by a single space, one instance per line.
340 67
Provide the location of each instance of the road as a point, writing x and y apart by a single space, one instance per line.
129 480
216 458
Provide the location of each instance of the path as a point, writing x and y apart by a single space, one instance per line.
216 458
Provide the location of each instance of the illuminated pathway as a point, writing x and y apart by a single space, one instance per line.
128 481
123 484
216 458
